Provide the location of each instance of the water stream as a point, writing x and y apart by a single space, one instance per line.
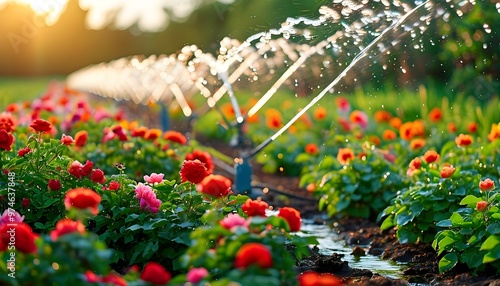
330 242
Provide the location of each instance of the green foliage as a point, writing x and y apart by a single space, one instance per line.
362 188
471 236
429 199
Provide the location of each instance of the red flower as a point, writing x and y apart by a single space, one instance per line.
254 208
152 134
25 202
87 168
139 131
435 115
41 125
175 136
6 140
193 171
82 198
274 119
114 279
24 238
120 133
431 156
97 176
345 155
54 185
67 140
204 157
311 278
472 127
65 226
113 186
155 273
7 122
253 254
81 138
215 185
312 149
416 163
23 151
452 127
463 140
292 216
447 171
486 185
343 104
481 206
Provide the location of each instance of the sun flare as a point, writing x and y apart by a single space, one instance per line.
50 10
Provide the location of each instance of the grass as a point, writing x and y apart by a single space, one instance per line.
13 89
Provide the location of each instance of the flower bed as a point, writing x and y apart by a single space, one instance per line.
89 197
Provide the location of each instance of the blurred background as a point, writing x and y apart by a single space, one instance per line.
30 47
53 38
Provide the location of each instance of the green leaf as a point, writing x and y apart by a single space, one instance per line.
456 219
443 243
470 200
492 255
388 223
491 242
472 257
448 262
444 223
405 236
493 228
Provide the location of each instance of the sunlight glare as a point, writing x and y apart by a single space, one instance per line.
51 10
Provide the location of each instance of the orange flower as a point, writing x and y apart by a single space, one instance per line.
417 143
435 115
447 171
154 133
494 132
395 122
273 119
452 127
382 116
406 131
345 155
175 136
252 119
311 278
292 216
228 110
375 140
253 253
12 108
463 140
418 128
139 131
320 113
431 156
389 135
81 138
82 198
312 149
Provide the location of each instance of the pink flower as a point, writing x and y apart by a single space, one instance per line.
233 221
10 216
147 198
195 275
154 178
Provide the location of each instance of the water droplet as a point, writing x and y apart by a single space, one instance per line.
487 28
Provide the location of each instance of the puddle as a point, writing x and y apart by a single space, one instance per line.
330 242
